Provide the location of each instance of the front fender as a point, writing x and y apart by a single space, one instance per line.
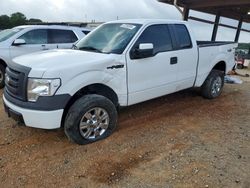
4 56
116 81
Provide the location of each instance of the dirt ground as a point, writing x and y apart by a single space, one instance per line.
180 140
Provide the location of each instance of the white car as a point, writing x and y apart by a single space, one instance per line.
119 64
32 38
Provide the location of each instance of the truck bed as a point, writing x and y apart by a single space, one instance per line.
209 54
212 43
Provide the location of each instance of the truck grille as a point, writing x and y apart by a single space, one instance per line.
15 83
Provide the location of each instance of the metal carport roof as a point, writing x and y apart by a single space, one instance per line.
234 9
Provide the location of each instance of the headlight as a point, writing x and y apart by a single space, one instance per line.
42 87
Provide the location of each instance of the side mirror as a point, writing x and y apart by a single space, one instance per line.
144 50
19 42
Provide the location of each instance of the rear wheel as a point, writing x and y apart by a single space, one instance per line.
212 87
90 118
2 76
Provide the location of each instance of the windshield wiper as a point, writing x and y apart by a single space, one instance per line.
90 48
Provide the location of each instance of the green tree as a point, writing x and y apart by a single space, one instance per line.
17 19
244 46
4 22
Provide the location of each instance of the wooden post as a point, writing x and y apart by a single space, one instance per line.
216 26
185 14
237 36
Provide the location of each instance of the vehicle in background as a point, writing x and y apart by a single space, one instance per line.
242 58
119 64
32 38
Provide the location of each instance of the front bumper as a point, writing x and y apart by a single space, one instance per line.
13 114
34 118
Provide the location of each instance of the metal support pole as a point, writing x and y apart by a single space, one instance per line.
185 14
237 36
178 8
216 26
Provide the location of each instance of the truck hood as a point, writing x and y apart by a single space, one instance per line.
55 60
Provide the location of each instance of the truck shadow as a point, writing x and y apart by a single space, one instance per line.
163 107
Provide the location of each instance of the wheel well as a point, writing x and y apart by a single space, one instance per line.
221 66
99 89
2 62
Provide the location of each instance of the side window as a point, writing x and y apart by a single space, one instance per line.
159 35
85 32
183 37
57 36
37 36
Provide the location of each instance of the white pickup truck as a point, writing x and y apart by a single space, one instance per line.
119 64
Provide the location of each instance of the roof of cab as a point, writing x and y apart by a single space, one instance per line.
148 21
53 26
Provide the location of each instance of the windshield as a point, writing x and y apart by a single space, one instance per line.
109 38
6 34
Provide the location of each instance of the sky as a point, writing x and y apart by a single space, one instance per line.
107 10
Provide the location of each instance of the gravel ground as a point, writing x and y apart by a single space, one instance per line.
180 140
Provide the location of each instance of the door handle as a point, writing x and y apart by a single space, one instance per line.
116 67
173 60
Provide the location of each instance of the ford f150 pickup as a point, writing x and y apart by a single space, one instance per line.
119 64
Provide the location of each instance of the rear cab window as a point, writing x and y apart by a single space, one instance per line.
182 36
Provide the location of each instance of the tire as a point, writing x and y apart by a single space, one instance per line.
213 85
240 66
2 76
93 113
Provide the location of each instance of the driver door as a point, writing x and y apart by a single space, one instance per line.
153 76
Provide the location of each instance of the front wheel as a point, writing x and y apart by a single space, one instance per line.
2 76
90 118
212 87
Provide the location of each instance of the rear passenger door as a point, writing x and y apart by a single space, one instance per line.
63 39
154 76
187 54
